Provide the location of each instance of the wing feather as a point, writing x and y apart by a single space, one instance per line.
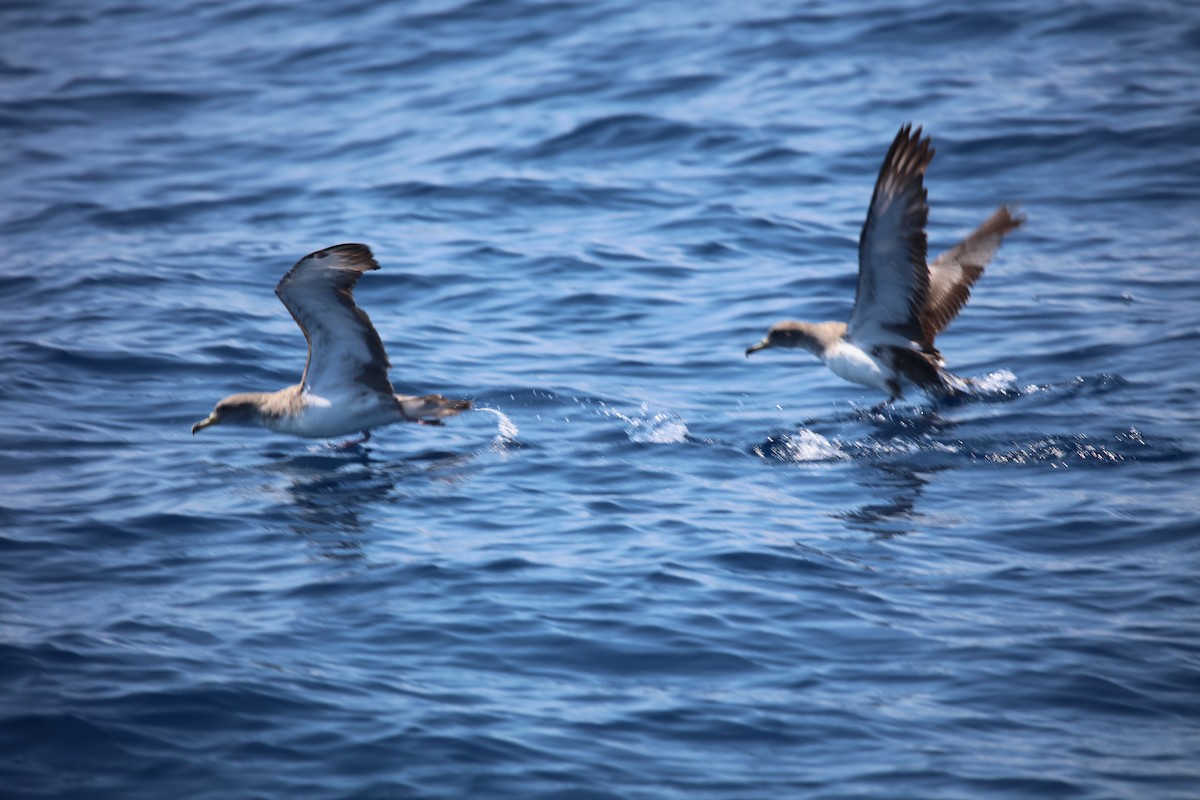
893 280
955 271
343 347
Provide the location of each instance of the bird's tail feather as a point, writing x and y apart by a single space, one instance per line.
926 372
950 386
430 406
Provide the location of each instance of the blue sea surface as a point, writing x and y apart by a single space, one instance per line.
647 567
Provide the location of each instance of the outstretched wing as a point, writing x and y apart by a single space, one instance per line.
955 271
343 347
893 281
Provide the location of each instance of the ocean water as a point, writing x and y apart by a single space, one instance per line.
647 567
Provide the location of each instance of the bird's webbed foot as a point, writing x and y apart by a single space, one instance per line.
894 394
346 445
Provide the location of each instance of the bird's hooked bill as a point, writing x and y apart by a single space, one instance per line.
754 348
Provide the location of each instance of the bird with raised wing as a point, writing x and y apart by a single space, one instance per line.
901 303
345 387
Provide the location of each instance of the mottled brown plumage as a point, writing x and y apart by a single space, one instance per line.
955 271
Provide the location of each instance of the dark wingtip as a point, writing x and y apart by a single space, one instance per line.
910 153
360 254
1016 216
1004 220
357 255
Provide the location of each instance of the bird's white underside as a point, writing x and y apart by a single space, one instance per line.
329 417
850 362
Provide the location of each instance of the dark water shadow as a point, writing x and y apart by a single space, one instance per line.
899 451
894 511
335 494
332 499
890 455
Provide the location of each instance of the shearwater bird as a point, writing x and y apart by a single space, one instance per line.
345 386
901 303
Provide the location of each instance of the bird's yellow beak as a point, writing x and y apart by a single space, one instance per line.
754 348
211 419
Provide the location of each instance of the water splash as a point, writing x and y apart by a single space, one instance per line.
1062 451
1000 382
663 427
801 447
506 429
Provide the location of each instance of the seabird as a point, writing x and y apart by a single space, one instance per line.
901 303
345 386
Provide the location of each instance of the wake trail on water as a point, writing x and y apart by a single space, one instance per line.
929 436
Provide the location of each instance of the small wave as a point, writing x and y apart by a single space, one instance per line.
1082 385
618 132
523 398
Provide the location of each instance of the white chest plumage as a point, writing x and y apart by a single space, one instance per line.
330 417
850 362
